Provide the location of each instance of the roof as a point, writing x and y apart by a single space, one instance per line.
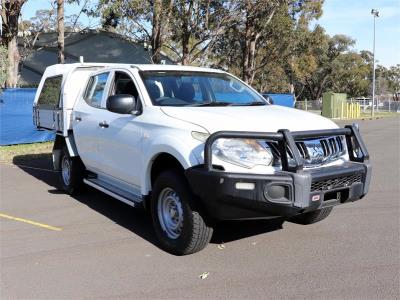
157 67
65 68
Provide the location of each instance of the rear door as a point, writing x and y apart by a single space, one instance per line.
87 116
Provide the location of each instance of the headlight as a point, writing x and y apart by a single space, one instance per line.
247 153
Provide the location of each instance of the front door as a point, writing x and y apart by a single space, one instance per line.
120 142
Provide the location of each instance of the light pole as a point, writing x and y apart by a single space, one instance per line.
375 13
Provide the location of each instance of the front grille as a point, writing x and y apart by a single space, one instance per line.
314 152
318 151
333 183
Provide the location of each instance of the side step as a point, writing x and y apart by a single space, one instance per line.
123 196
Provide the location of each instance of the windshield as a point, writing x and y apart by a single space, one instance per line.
177 88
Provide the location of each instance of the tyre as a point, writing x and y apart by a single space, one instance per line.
312 216
71 173
180 226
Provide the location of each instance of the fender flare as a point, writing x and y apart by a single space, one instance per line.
59 143
186 158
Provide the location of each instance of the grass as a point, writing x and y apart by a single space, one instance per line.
9 153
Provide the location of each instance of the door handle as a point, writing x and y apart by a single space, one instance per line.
78 119
104 124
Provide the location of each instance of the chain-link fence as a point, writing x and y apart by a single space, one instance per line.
312 105
386 104
381 105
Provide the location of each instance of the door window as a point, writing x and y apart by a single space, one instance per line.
123 84
50 93
95 89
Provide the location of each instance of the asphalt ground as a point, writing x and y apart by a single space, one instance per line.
101 248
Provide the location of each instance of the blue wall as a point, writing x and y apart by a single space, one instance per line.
282 99
16 125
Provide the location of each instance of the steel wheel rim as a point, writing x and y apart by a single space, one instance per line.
66 170
170 213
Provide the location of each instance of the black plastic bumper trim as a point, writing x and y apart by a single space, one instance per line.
223 201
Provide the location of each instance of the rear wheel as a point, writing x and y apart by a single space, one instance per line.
71 173
180 226
312 217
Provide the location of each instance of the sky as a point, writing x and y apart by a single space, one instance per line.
349 17
353 18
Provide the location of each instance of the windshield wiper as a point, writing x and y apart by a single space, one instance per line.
211 104
258 103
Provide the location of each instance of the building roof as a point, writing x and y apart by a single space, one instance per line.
94 46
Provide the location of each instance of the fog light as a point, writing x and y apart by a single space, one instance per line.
277 193
245 185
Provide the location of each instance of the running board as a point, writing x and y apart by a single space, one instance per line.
110 190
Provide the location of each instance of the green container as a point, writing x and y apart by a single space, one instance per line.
333 105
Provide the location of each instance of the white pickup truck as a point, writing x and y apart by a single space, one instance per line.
195 145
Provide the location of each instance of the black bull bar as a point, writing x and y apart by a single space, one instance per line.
286 139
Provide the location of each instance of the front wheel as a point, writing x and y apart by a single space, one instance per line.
180 226
71 173
312 216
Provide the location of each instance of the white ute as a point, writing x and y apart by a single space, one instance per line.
195 145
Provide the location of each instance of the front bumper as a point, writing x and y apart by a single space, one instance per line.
224 199
233 196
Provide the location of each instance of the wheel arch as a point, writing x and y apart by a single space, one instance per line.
59 142
168 149
163 161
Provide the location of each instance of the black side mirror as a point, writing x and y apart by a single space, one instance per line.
268 98
121 104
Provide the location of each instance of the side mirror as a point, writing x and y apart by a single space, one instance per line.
268 98
121 104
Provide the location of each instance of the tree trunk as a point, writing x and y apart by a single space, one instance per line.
156 39
13 62
246 53
60 30
321 88
252 57
185 49
252 36
10 11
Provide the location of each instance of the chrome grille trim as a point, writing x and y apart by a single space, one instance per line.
319 151
314 152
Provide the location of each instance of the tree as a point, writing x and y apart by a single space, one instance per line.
351 75
60 30
142 21
261 45
257 15
393 77
314 62
196 25
10 12
45 20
